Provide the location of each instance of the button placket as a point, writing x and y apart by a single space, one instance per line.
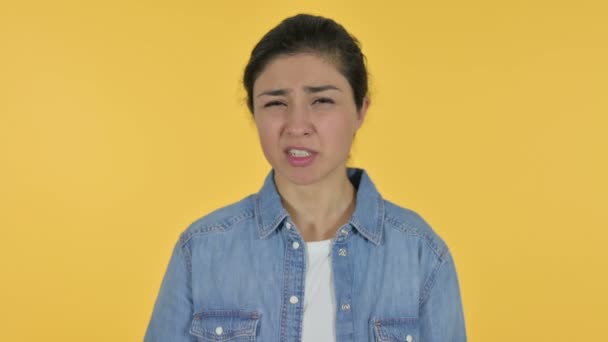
294 299
343 282
293 289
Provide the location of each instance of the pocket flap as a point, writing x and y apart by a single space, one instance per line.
403 329
224 325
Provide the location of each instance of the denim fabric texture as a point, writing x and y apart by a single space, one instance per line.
236 275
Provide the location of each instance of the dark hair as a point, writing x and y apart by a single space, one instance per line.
315 34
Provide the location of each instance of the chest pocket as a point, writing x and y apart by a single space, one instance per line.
225 325
396 330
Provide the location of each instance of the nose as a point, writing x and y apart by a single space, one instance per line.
298 121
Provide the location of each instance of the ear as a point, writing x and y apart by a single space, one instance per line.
361 113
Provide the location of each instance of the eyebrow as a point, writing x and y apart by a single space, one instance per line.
308 89
312 90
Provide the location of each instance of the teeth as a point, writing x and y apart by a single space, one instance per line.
299 153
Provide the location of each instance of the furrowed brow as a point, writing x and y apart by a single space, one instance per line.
319 89
275 92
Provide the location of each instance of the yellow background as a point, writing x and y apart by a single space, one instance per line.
122 122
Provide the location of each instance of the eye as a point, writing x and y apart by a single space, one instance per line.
273 103
323 100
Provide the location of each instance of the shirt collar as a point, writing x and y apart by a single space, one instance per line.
367 219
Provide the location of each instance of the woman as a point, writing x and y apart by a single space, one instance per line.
317 254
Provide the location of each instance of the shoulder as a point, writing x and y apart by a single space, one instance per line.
220 220
403 222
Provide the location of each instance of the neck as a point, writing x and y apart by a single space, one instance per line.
320 209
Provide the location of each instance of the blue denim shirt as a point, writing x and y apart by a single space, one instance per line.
235 276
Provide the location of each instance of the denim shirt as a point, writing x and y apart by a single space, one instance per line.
238 275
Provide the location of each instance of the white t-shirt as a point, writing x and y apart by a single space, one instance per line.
319 322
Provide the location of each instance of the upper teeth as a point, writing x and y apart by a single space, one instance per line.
299 153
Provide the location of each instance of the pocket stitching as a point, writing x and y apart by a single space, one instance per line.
379 323
248 328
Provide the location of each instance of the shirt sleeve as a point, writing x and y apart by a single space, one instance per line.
172 313
441 314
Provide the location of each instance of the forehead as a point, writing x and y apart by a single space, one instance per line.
299 70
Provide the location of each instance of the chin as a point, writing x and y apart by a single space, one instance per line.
298 176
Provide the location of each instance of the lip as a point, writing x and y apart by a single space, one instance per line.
300 161
299 148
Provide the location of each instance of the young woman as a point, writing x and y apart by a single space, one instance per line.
317 254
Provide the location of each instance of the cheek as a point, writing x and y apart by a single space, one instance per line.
341 131
268 137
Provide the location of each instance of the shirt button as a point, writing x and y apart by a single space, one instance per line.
345 307
287 225
343 232
295 245
342 252
219 330
293 300
409 338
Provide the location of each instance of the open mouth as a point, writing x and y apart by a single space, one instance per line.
300 157
294 152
